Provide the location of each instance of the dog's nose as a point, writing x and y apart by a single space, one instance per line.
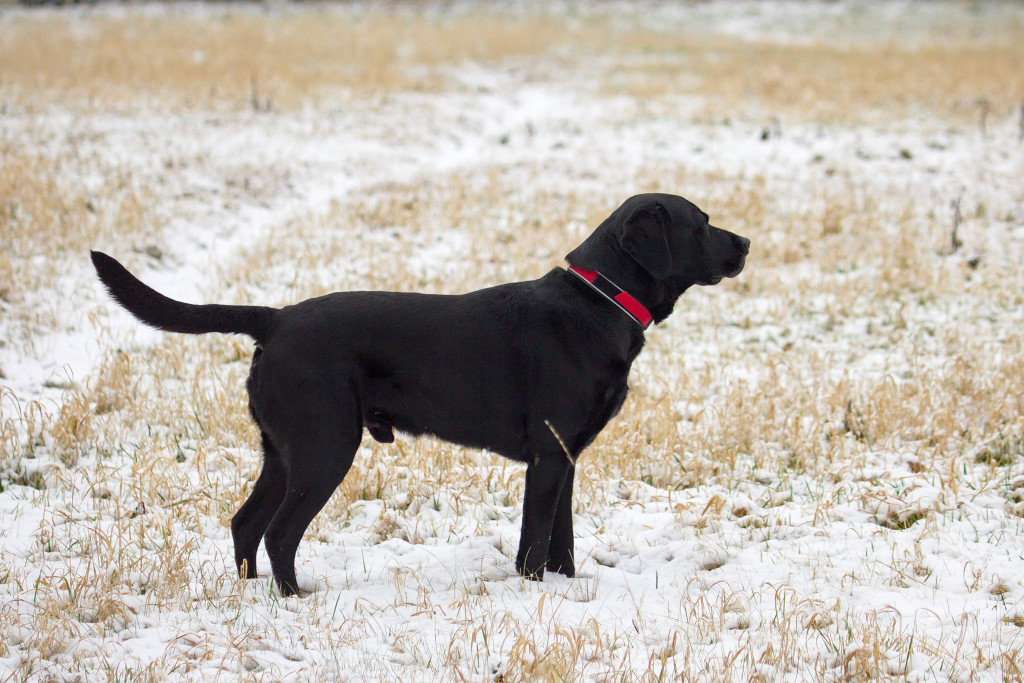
743 244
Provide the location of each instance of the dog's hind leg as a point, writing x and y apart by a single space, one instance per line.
317 462
560 550
251 521
545 481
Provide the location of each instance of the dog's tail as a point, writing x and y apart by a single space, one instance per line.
157 310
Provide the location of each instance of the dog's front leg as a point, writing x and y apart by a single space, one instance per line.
560 550
545 479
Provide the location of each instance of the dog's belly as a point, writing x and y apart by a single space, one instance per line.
468 415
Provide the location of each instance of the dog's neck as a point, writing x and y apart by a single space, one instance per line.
625 301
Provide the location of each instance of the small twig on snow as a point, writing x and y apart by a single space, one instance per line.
955 240
985 107
1020 132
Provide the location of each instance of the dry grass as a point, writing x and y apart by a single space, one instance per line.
251 58
46 212
819 82
859 376
256 59
50 215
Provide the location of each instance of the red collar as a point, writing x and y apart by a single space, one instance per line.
618 296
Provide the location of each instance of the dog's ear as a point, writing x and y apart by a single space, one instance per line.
645 238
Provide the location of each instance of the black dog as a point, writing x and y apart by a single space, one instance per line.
529 370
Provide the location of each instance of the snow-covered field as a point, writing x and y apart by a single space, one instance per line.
819 473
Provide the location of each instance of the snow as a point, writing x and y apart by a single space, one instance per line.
764 571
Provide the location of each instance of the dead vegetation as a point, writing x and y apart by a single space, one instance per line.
247 58
325 57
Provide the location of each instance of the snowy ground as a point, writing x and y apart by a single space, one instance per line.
818 474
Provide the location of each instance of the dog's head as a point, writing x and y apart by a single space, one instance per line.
656 246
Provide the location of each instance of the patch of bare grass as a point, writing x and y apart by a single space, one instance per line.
245 58
50 214
821 82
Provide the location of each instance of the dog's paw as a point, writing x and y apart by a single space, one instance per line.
566 569
287 587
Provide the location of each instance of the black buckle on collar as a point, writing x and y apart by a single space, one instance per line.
617 295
